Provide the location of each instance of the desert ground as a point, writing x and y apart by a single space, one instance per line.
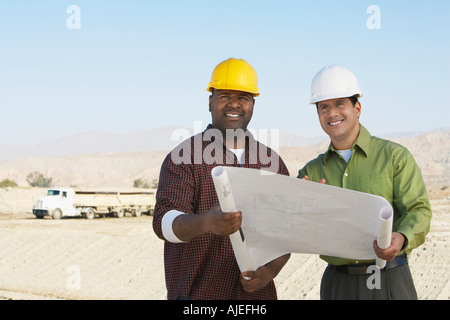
110 258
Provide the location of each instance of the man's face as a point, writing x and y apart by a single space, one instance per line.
231 109
339 118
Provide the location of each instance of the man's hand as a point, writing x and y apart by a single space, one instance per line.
221 223
252 281
389 254
190 226
307 179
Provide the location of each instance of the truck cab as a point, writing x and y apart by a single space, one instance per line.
57 203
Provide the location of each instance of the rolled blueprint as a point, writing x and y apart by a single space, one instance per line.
227 204
384 233
283 214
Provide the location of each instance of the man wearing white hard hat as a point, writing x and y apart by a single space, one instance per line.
358 161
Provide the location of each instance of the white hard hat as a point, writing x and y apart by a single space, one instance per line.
334 82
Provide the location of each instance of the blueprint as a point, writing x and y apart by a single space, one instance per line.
283 214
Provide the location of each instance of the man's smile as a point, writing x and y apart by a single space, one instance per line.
233 115
334 123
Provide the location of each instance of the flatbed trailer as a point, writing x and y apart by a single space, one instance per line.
62 202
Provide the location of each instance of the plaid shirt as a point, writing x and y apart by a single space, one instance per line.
204 268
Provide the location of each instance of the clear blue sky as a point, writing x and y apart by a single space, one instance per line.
135 65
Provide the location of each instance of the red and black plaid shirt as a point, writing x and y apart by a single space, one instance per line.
204 268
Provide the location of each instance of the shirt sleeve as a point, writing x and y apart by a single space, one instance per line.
175 192
410 199
283 168
166 226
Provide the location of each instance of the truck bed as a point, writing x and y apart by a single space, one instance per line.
113 199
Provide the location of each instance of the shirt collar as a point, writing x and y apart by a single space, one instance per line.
363 140
362 143
251 147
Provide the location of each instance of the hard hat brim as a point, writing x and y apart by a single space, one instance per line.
314 100
211 89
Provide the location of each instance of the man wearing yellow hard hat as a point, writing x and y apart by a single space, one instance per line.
198 256
358 161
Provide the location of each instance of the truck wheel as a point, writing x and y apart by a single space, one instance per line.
90 213
137 211
120 212
57 214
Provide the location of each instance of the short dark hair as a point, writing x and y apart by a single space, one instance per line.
353 100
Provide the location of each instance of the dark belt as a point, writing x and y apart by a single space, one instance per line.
360 269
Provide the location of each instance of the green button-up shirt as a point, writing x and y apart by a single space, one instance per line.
382 168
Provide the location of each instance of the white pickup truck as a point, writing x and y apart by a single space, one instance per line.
68 202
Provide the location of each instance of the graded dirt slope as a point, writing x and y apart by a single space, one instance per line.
109 258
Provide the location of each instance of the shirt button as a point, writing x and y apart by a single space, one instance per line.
346 174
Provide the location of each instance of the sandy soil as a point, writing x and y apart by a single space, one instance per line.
110 258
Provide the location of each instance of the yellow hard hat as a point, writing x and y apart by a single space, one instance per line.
234 74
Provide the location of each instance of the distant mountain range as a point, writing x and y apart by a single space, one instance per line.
109 160
94 142
157 139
